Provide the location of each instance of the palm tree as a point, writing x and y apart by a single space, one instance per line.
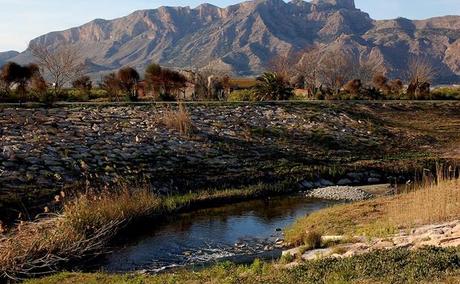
272 86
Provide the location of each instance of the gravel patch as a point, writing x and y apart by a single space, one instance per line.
345 193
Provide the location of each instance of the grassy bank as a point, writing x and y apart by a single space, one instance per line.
383 216
397 266
88 224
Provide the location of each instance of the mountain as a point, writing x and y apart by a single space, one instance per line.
244 37
7 55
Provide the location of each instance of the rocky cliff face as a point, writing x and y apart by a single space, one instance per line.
243 37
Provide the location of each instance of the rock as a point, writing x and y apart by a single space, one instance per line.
306 185
344 181
332 238
355 176
373 180
450 242
292 252
382 245
316 254
324 182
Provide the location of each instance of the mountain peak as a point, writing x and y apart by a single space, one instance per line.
346 4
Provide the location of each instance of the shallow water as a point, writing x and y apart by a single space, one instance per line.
203 236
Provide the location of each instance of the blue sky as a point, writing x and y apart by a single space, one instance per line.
23 20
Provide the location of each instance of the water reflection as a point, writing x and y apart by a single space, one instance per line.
209 229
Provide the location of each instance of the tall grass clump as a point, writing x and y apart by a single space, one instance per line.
431 204
83 229
436 201
178 120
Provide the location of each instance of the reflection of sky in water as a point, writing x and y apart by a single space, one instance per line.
222 226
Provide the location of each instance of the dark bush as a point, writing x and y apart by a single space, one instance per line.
165 82
353 87
128 79
111 85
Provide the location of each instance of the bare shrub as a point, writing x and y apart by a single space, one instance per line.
396 87
380 82
178 120
284 65
62 65
420 74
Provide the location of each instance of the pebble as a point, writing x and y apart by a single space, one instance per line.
345 193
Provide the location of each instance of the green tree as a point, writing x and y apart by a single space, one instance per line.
271 86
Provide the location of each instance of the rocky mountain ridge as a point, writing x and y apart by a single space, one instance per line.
242 38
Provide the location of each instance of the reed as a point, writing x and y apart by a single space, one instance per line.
178 120
435 200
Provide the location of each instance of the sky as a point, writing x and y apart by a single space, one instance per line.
23 20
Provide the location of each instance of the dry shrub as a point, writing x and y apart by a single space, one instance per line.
178 120
353 86
83 229
312 240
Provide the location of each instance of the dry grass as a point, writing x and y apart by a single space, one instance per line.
431 204
178 120
84 228
384 216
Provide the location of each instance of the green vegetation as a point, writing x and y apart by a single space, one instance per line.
446 93
396 266
241 96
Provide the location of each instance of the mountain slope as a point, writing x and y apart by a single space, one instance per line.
7 55
243 37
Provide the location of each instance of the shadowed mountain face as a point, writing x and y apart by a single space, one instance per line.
7 55
242 38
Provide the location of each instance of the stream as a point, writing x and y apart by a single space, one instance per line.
237 232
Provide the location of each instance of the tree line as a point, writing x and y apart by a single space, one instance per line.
338 74
322 74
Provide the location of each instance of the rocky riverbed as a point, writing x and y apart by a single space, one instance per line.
42 150
435 235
